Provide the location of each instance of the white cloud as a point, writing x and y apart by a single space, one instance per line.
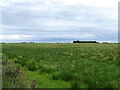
14 37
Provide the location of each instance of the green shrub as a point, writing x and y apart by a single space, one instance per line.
13 77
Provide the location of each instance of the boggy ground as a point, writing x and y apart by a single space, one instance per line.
61 65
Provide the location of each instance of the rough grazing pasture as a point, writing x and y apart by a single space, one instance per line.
60 65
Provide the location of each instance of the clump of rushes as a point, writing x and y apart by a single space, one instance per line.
32 65
66 73
46 69
55 76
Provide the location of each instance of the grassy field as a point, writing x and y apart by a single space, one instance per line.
60 65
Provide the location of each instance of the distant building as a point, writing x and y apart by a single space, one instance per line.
31 42
105 42
24 42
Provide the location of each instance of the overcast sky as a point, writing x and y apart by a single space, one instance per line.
58 20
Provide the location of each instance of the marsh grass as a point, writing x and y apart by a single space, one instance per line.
79 65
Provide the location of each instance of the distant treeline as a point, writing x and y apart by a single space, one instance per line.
85 41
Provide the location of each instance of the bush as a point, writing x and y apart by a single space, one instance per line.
12 76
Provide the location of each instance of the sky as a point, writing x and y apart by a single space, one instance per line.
51 21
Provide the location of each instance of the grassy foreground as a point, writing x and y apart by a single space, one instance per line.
48 65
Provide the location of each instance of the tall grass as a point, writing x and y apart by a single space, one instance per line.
80 65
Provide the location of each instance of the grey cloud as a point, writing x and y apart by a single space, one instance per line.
62 22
